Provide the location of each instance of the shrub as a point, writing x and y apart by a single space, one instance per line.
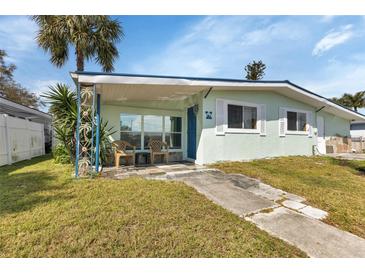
61 155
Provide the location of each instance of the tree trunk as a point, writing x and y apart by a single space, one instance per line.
355 108
79 60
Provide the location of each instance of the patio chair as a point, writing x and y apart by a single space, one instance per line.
158 147
120 150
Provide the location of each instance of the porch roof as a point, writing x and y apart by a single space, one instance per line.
121 87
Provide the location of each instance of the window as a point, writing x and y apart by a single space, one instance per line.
235 116
250 116
359 126
173 131
152 128
297 121
164 128
130 129
241 117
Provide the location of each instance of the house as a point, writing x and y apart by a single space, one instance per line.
357 129
24 132
208 119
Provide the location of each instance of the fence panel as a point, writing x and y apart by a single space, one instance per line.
20 139
3 142
358 144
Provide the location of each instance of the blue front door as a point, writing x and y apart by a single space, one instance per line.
191 133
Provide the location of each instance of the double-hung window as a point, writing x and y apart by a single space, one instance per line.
241 117
296 121
233 116
140 129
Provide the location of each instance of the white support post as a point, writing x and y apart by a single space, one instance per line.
7 140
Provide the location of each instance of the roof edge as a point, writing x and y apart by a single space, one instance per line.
176 77
30 109
74 74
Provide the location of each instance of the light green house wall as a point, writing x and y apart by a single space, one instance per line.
232 146
334 125
246 146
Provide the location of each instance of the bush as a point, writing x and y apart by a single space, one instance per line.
61 154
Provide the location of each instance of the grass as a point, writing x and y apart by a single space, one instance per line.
336 186
45 213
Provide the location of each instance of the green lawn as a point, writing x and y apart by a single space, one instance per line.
337 186
45 213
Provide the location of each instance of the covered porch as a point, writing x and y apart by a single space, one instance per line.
138 109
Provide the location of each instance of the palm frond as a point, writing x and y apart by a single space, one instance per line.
92 36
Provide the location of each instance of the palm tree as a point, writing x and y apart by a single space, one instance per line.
355 101
92 37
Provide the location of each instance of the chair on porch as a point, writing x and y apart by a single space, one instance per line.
158 147
120 150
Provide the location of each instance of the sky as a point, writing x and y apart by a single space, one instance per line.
324 54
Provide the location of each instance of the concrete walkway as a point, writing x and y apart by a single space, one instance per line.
281 214
348 156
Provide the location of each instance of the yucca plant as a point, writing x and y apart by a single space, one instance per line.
63 107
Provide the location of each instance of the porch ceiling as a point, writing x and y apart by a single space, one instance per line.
139 92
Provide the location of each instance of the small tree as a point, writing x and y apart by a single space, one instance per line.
255 70
12 90
354 101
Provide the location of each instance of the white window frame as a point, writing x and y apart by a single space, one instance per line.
143 149
241 130
296 132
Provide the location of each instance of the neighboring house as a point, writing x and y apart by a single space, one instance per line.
208 120
357 129
24 132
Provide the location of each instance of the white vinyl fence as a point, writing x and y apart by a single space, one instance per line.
20 139
358 144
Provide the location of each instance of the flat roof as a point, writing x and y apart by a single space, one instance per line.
146 79
10 107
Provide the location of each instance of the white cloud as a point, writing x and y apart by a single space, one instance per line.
338 78
276 31
219 45
333 38
327 18
39 87
17 34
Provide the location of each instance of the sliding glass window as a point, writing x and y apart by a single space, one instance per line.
152 128
134 128
131 129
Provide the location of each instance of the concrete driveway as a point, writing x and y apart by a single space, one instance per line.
281 214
